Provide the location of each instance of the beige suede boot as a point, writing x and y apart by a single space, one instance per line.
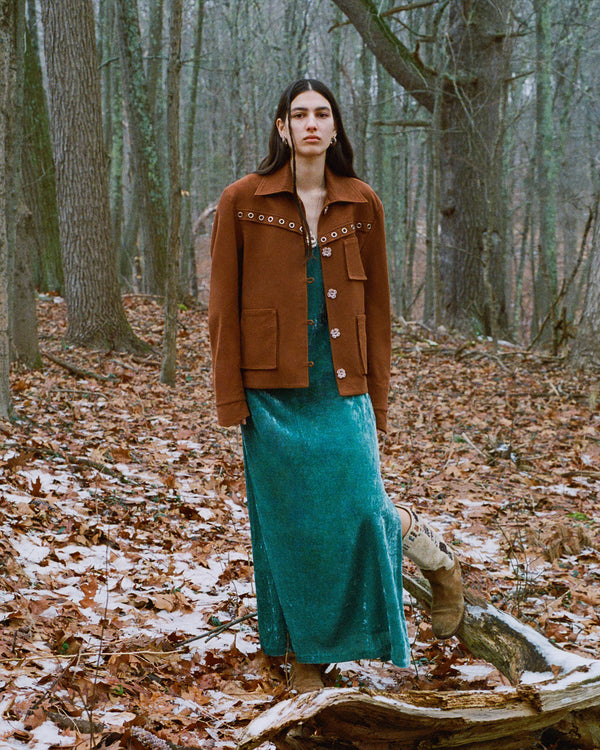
304 678
440 567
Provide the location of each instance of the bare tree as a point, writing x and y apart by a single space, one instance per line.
7 87
94 308
148 181
472 241
167 374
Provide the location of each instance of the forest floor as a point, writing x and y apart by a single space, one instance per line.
124 542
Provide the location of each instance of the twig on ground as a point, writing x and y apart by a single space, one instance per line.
78 371
215 631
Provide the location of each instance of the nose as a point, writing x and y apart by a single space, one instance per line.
312 121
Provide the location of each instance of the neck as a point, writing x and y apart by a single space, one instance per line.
310 173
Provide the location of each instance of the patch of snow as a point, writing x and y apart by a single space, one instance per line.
29 551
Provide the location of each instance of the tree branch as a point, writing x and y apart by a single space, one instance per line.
397 59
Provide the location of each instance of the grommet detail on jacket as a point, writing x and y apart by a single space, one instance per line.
310 280
326 252
341 373
311 364
310 322
335 333
281 221
332 293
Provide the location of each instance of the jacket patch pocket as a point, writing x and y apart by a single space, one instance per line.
259 339
361 330
354 264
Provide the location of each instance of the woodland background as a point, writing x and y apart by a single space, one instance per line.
121 502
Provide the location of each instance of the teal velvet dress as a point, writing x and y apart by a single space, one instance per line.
326 539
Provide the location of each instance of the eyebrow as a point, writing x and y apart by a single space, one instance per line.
322 108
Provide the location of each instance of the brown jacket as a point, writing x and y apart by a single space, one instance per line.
258 301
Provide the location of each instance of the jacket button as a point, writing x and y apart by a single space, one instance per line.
341 373
332 293
326 252
335 333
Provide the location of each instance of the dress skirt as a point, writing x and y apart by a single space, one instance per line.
326 538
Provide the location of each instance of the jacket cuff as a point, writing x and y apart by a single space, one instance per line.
381 419
232 413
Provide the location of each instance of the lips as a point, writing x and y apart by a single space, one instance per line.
312 139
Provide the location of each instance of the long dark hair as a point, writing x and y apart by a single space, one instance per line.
339 154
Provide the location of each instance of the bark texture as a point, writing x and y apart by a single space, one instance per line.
39 187
24 337
95 314
7 26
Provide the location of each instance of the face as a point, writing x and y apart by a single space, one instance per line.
312 122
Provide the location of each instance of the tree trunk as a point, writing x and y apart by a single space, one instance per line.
471 146
24 336
144 154
189 276
472 214
546 284
39 188
586 348
169 363
7 88
95 314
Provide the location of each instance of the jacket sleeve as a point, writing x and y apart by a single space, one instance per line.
224 314
378 315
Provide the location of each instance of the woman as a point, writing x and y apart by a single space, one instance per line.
300 329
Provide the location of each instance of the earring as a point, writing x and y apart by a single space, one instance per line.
284 139
333 140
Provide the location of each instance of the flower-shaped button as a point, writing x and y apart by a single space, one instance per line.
332 293
335 333
326 252
341 373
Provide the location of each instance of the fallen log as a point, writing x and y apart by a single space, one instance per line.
554 693
506 719
515 649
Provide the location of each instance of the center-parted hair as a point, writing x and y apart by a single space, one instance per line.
339 157
339 154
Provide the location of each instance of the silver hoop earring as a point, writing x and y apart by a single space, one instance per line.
284 140
333 140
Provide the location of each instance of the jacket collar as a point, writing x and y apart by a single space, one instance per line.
339 189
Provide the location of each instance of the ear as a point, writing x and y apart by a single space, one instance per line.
282 127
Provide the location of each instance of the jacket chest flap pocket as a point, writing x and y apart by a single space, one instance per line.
354 265
259 339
